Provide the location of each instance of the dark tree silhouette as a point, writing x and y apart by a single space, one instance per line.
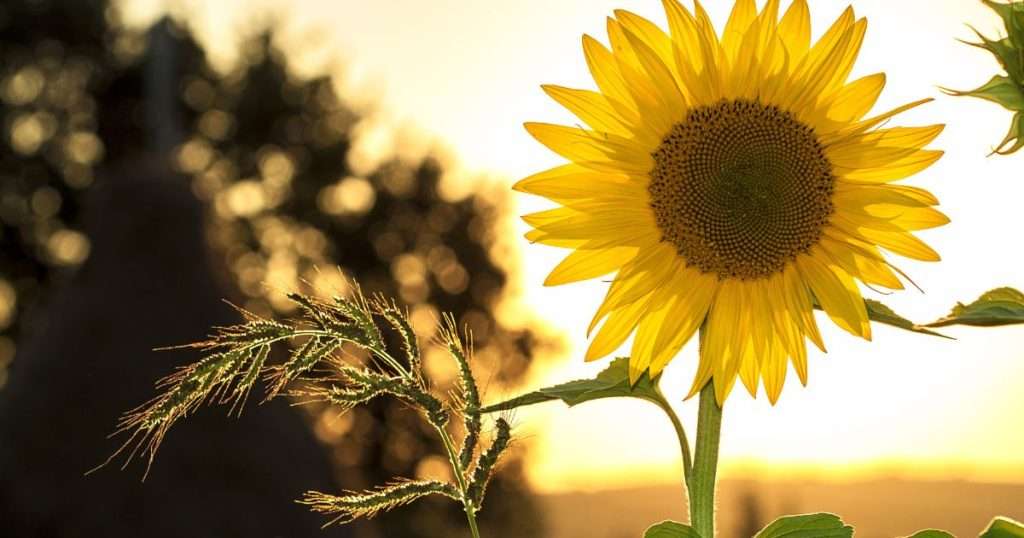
268 151
84 180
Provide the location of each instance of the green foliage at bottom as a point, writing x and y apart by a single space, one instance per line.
807 526
1004 527
931 533
671 529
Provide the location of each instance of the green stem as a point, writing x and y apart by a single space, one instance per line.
684 444
705 465
460 479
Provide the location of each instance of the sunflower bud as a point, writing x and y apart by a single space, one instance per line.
1006 90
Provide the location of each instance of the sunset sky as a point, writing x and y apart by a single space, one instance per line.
466 73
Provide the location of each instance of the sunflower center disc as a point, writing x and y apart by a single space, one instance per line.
741 189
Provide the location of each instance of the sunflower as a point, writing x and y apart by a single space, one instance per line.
733 184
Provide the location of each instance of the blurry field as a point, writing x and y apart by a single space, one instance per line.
877 509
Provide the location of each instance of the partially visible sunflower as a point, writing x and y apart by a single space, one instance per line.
733 183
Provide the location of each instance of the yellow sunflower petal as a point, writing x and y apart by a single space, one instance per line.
649 32
860 195
725 345
773 369
588 264
784 319
827 58
869 268
872 122
647 332
643 89
795 30
856 99
836 292
605 71
694 295
599 151
594 108
750 372
915 161
672 102
863 144
572 182
902 243
743 14
799 302
615 330
538 236
619 226
651 268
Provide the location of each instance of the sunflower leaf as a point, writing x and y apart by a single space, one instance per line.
670 529
1001 306
1004 527
881 313
612 382
807 526
931 533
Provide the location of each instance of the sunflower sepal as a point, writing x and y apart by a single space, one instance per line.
1000 89
1008 50
1008 90
612 382
671 529
1015 136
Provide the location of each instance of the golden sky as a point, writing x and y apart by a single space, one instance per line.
467 72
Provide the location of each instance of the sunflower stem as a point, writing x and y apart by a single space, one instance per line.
705 465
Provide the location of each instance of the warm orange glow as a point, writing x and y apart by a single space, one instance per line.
903 404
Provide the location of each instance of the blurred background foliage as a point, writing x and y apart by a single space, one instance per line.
268 152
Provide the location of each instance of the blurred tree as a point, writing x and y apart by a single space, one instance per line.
271 152
109 244
750 519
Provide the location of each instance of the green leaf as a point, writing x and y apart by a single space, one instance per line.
671 529
1004 527
1001 90
881 313
807 526
931 533
1001 306
613 382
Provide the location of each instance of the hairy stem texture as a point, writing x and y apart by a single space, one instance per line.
705 464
